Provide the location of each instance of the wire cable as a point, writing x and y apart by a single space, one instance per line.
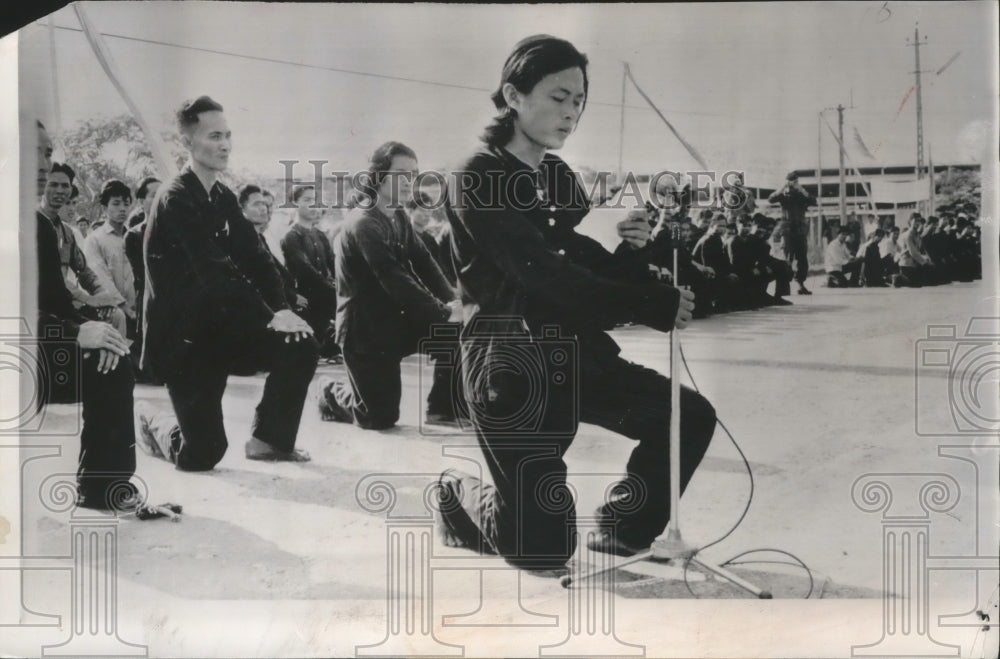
746 509
384 76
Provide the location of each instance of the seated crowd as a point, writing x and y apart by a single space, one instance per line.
929 252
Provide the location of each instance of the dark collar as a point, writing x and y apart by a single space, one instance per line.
193 183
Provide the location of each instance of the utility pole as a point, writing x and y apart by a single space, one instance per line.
817 226
621 128
843 192
920 105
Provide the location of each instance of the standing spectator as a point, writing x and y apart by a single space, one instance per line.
144 194
90 295
309 258
215 306
83 226
105 248
68 212
97 376
272 240
794 201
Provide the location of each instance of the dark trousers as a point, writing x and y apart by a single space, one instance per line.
797 250
107 440
782 272
529 515
846 277
872 272
196 393
916 276
374 389
320 314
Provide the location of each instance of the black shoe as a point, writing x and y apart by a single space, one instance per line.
329 408
121 497
781 302
607 543
442 419
803 290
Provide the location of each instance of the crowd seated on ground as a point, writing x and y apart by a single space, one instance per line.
928 252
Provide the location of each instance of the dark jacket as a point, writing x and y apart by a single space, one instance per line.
133 251
794 203
56 313
517 253
311 262
207 276
712 252
58 322
390 290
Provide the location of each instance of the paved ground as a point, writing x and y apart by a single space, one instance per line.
281 558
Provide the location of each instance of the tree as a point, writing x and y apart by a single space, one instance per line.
104 148
956 188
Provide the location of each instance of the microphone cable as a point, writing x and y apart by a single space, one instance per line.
733 560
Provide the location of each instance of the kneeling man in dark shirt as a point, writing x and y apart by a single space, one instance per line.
216 305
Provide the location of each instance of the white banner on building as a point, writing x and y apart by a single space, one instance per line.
900 192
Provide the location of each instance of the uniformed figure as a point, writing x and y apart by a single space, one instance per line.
794 201
535 291
390 295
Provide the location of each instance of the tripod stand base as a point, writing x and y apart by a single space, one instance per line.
733 579
670 547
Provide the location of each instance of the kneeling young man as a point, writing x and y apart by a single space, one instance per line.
390 293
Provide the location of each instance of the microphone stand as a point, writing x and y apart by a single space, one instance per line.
670 545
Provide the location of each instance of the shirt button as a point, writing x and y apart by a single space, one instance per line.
552 209
562 252
552 221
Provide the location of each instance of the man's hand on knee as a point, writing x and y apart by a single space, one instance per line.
286 322
106 341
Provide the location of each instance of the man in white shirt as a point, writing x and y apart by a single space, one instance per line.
840 262
105 247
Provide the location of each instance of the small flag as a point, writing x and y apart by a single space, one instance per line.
860 143
905 99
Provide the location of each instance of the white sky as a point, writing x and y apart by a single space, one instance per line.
742 82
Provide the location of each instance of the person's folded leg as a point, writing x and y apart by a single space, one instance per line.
292 365
107 441
197 399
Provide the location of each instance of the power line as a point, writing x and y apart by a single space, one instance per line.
383 76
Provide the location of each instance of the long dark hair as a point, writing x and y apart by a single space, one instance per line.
378 167
531 60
